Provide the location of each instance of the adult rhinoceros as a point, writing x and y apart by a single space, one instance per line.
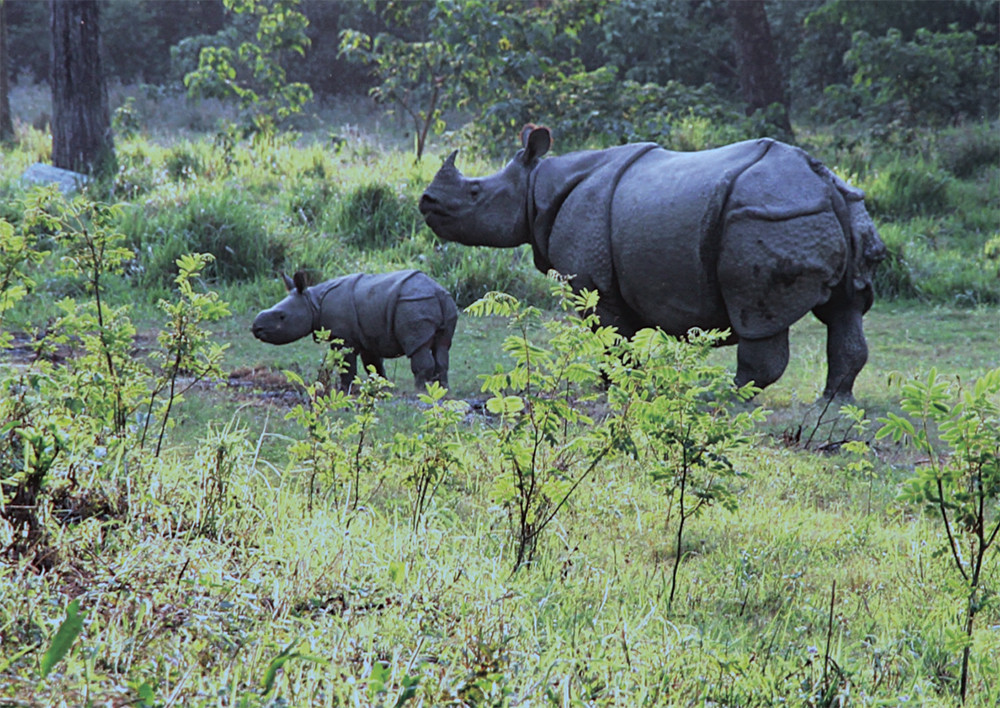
750 237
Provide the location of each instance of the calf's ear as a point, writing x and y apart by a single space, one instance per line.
289 283
300 282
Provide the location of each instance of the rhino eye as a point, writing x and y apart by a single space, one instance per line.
475 189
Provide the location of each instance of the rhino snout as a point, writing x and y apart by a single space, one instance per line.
428 204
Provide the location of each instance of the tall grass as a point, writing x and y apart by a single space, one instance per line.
223 576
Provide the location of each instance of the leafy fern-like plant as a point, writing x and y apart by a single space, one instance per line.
546 444
960 483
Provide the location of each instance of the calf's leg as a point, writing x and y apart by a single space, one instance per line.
761 361
422 366
441 346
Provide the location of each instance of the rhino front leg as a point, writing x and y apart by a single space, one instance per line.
846 348
350 369
761 361
369 359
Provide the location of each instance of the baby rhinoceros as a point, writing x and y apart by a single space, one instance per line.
378 316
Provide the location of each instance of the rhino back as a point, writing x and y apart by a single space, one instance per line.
423 309
785 244
666 234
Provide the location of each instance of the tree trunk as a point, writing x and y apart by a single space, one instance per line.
81 124
760 74
6 123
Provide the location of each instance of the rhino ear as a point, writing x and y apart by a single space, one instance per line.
450 160
537 141
300 281
289 283
526 132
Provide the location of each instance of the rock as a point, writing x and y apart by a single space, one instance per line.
67 180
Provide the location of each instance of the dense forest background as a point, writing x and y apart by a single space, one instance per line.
837 58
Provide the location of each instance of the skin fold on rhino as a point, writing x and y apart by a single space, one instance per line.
747 237
378 316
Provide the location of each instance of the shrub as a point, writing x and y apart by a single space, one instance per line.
964 151
183 163
137 174
309 201
931 79
469 273
221 221
894 276
595 108
374 217
905 189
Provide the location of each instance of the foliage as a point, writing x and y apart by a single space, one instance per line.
17 256
92 249
968 149
663 404
599 109
685 420
373 217
932 78
224 222
186 346
960 483
544 443
252 69
471 54
906 189
433 452
339 453
469 274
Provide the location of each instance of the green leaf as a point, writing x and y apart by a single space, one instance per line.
67 633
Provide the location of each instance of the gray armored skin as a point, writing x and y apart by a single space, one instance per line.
750 237
377 316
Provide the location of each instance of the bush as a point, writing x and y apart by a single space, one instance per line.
596 109
469 273
934 78
905 189
964 151
221 221
374 217
308 202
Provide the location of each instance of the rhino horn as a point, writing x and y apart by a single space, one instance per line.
450 160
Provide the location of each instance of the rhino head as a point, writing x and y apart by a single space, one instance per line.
290 319
485 211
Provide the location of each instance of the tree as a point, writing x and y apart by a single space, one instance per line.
6 124
760 74
81 121
252 68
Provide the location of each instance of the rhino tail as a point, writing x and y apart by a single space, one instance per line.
866 247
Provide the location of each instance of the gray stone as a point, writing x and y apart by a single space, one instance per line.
67 180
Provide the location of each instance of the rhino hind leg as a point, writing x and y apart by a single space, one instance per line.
846 348
761 361
441 345
423 367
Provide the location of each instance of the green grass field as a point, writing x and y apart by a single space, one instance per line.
242 567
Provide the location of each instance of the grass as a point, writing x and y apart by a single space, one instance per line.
224 579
